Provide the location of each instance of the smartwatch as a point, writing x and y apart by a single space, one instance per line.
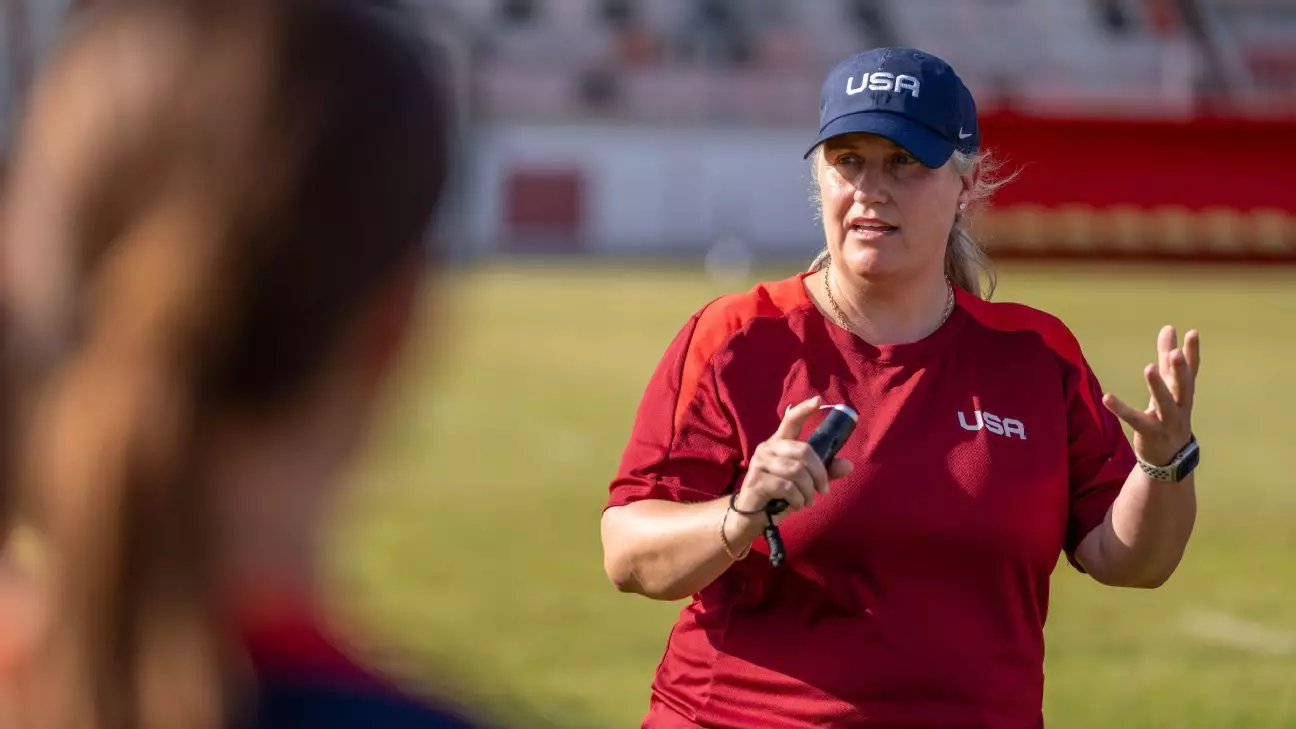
1178 468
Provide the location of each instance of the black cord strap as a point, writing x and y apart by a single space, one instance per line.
732 497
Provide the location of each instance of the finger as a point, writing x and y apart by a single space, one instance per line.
794 419
1161 395
792 469
840 468
804 488
804 455
1183 383
1192 350
1173 381
1166 342
782 488
1152 370
1137 419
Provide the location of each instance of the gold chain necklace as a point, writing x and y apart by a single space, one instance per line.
841 315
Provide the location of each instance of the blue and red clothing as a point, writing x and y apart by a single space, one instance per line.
915 592
304 679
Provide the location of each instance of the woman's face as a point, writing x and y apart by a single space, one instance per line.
885 214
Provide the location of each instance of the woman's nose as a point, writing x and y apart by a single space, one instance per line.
871 187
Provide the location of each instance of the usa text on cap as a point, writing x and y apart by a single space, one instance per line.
907 96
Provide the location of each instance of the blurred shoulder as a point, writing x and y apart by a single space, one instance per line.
306 677
317 705
1017 317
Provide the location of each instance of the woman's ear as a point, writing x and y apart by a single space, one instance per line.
968 180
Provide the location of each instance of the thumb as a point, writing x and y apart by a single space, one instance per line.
795 417
1138 420
839 469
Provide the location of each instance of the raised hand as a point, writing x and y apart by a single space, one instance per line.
1165 427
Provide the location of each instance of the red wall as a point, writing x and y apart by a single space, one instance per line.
1233 163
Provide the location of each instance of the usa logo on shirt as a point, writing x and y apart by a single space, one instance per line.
1007 427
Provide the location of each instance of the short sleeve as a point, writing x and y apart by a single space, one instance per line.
1099 456
684 445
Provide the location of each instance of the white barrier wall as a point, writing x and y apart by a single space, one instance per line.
678 189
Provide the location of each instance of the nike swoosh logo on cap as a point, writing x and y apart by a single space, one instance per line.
962 135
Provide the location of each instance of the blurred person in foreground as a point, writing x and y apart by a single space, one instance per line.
214 245
916 587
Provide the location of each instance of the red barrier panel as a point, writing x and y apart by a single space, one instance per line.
1210 188
544 208
1233 163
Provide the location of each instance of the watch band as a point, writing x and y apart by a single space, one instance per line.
1184 462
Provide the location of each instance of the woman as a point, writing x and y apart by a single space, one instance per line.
214 246
918 562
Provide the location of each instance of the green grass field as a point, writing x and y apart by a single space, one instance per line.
471 542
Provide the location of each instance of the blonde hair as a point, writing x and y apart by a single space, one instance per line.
966 263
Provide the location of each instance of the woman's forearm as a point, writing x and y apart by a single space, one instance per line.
667 550
1143 538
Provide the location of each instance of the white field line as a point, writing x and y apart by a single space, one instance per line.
1231 631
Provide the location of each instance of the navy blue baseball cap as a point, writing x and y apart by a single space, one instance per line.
907 96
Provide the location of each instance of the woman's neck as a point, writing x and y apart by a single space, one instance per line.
882 312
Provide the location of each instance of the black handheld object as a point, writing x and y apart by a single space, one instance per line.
827 439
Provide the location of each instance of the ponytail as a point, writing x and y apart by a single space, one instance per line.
966 261
117 490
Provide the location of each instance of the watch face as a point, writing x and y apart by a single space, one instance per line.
1189 463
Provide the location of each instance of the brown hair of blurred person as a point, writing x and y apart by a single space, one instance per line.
214 241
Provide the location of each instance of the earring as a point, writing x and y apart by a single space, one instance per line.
962 206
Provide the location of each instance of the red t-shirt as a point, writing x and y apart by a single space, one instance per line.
915 592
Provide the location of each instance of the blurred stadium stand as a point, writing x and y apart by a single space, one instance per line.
1152 128
552 60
